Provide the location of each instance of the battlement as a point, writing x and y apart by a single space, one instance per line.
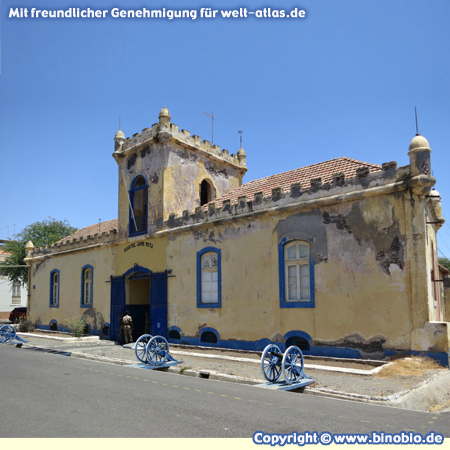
365 183
106 237
183 137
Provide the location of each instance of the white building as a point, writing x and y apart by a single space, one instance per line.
12 295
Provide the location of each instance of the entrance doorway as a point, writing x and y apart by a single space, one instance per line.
140 292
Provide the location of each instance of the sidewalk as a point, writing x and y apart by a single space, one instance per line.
349 379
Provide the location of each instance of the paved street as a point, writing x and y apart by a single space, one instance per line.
48 395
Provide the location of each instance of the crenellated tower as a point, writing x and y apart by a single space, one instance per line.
164 171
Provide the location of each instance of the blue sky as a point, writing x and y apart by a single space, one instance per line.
344 81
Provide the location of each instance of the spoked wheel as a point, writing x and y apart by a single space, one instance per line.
141 347
293 365
7 334
157 351
271 362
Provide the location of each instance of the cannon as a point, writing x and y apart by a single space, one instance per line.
8 334
154 352
290 364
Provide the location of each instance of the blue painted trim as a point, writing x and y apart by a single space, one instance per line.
135 269
131 193
52 303
53 321
282 280
199 278
334 352
298 333
173 340
175 329
82 304
211 330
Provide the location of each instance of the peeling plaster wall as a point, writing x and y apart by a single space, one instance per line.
174 174
361 268
185 170
148 162
70 266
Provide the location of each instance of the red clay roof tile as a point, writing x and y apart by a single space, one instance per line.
98 228
303 175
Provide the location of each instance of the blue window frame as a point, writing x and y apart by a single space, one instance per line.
296 271
55 283
138 208
209 278
87 286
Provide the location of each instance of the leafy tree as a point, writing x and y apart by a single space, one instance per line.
445 262
41 234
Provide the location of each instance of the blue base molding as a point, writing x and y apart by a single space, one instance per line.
334 352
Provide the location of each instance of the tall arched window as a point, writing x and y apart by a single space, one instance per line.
138 210
209 278
297 272
87 287
54 288
296 275
206 192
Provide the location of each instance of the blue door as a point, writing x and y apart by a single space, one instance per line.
117 306
158 304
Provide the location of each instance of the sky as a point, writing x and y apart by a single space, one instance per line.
342 81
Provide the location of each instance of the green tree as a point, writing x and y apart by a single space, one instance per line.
444 262
41 234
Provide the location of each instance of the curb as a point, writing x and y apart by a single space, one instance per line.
394 400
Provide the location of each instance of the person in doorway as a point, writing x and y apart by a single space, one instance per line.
127 327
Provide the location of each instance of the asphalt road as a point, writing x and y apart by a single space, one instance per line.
49 395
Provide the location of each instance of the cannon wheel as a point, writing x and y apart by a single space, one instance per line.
157 350
293 365
271 363
7 334
140 347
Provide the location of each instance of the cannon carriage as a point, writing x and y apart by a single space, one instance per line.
153 351
290 364
8 335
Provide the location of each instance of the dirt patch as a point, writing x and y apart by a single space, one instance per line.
410 366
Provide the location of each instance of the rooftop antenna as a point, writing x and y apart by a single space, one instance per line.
417 124
240 137
212 130
120 125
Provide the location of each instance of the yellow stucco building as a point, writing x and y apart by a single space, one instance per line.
339 258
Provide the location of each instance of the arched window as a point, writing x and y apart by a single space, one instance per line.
138 210
209 278
206 192
54 288
296 275
297 272
87 276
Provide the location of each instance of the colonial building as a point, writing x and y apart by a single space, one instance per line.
339 258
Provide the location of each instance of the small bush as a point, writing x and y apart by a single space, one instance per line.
26 325
76 326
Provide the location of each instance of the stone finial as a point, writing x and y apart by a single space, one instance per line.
29 249
419 156
241 156
119 139
164 117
